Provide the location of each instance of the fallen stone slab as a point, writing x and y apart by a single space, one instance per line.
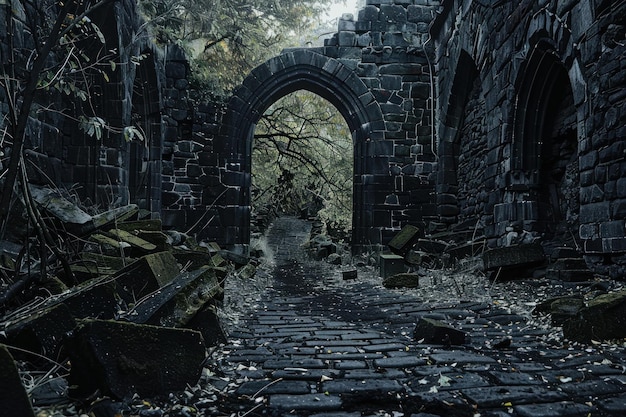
405 280
177 302
431 331
404 240
14 400
120 359
134 241
146 274
526 255
604 318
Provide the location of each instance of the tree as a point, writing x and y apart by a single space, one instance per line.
55 51
228 38
302 158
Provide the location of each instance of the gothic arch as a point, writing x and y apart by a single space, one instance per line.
545 139
294 70
463 87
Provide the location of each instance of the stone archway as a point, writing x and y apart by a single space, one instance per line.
294 70
545 143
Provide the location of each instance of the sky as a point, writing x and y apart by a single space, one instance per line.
337 9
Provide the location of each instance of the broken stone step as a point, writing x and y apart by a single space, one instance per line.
120 359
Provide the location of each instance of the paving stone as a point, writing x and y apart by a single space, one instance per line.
375 385
349 356
367 374
307 363
496 396
514 378
267 387
613 405
350 365
460 357
591 389
384 347
399 362
561 409
306 375
450 381
308 402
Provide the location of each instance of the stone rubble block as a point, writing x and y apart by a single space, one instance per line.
433 331
176 303
404 240
603 318
147 274
530 254
120 359
404 280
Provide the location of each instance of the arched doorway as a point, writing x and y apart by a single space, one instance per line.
295 70
545 143
302 163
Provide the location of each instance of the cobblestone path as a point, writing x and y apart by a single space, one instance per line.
318 345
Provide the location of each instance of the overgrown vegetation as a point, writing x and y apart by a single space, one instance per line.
227 38
302 160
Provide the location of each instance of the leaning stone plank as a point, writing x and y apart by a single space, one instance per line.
147 274
432 331
404 240
529 254
177 302
120 359
132 240
13 399
58 206
149 225
604 318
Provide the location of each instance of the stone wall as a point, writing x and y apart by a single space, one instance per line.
536 139
108 171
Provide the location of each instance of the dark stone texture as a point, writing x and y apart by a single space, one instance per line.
121 359
431 331
14 400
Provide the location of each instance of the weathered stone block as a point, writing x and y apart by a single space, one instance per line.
404 240
604 318
121 359
405 280
390 264
177 302
436 332
14 400
530 254
147 274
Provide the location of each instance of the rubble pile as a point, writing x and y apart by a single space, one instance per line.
132 311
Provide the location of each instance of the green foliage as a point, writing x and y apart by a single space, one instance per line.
227 38
302 158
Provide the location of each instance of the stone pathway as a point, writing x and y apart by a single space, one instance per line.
317 345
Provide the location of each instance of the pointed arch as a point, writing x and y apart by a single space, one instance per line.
293 70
